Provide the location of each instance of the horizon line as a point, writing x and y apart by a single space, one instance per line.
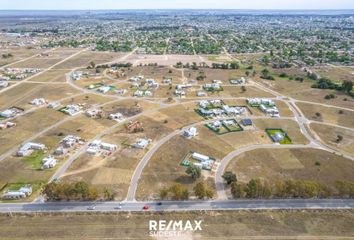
243 9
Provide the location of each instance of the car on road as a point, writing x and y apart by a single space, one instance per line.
91 208
118 207
146 207
159 203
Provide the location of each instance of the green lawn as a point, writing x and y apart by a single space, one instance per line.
34 160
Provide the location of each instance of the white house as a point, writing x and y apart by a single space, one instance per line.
23 192
121 91
7 125
108 146
180 93
104 89
201 94
116 116
48 162
72 109
26 149
141 143
183 86
212 86
200 157
4 84
53 105
93 112
38 101
191 132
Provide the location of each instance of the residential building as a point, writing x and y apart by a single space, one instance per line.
38 101
23 192
141 143
48 162
27 148
191 132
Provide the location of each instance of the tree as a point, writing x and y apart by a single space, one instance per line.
347 86
179 192
92 64
201 190
253 188
238 190
108 194
229 177
163 193
194 171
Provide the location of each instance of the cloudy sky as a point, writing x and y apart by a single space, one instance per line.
176 4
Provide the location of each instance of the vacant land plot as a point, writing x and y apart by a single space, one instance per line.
282 164
27 126
164 168
291 128
84 59
327 114
37 62
51 76
339 138
18 54
115 172
22 94
337 73
309 225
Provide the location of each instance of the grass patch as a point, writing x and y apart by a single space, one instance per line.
34 160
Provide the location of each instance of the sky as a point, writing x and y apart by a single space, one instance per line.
174 4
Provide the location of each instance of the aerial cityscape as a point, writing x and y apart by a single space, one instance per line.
181 123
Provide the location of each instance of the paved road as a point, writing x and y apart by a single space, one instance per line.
180 205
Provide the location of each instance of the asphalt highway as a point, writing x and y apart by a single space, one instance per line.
177 205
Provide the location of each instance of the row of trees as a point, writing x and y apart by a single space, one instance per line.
74 191
325 83
256 188
179 192
232 65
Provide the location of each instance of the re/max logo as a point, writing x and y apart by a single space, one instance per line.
174 226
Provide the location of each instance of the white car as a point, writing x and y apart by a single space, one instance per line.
91 208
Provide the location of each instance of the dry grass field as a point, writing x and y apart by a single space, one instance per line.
303 91
84 59
51 76
163 169
28 126
282 164
22 94
115 172
273 224
18 53
329 135
327 114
